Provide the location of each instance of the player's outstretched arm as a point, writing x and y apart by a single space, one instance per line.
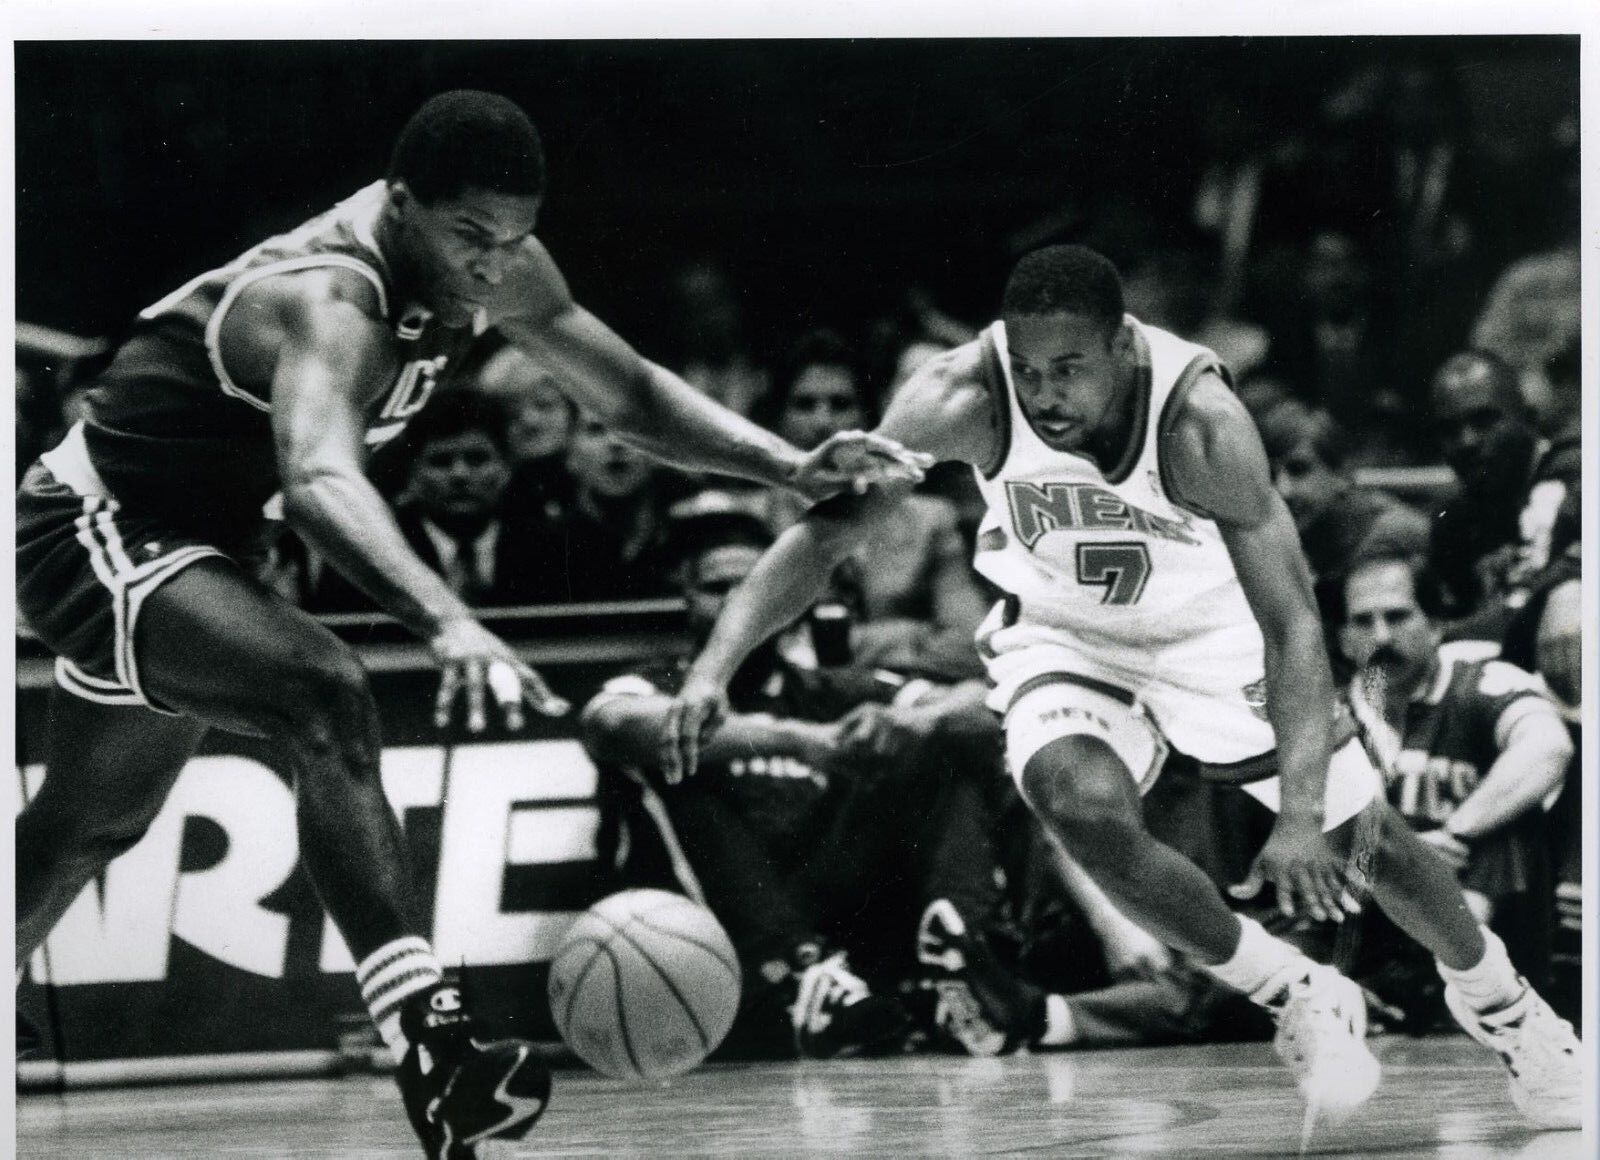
658 412
624 722
328 358
786 581
943 411
1218 468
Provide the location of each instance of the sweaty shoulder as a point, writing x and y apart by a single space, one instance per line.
1212 459
324 303
948 409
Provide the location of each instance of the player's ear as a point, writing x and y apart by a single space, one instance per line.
400 199
1122 340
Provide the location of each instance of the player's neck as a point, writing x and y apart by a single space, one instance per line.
1108 442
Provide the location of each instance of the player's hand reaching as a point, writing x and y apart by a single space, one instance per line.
696 711
479 665
855 460
1310 878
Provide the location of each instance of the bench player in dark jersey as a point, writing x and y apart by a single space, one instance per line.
272 376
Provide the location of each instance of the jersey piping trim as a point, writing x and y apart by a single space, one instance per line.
994 381
1104 688
255 274
1199 365
1134 451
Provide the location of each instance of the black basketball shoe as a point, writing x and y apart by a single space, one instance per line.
836 1014
467 1099
981 1006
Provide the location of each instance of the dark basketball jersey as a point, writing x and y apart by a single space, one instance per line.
1455 732
1452 736
169 431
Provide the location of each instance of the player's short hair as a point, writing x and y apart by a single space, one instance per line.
1289 425
466 139
1426 586
458 411
1065 280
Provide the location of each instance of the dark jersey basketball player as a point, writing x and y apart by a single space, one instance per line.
274 375
1156 596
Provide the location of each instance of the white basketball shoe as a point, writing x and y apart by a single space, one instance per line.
1322 1030
1540 1052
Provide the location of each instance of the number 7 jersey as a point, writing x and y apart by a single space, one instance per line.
1107 557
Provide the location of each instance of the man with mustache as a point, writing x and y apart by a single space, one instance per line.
1476 747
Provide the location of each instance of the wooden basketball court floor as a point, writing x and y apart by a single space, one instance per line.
1441 1097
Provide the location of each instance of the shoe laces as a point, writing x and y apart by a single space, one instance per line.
825 986
1317 1000
1544 1045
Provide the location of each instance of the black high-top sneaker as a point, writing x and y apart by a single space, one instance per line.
836 1014
467 1099
981 1006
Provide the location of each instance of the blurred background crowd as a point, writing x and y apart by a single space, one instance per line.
1380 239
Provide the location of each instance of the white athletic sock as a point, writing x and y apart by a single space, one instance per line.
1493 983
1260 960
1059 1029
391 974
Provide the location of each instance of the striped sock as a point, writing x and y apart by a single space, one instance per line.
391 974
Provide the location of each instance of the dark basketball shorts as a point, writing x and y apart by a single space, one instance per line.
85 567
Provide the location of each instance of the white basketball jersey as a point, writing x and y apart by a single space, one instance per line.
1107 556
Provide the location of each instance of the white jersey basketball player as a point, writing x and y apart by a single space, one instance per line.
1157 598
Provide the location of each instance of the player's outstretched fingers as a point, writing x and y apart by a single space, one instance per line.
506 688
670 757
449 686
913 463
1251 886
477 709
538 693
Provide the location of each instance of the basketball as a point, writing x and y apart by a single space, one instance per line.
644 985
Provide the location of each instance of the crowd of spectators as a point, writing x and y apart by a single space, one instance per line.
1385 298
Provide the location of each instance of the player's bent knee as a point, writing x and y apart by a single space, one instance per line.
328 690
1080 787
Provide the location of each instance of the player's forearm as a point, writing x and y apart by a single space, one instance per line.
1527 771
628 729
1300 700
784 584
673 422
342 515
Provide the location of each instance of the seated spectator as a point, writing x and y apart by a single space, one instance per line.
1337 520
1336 347
1551 517
607 539
1533 311
451 512
1487 437
796 829
1473 748
540 419
921 600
